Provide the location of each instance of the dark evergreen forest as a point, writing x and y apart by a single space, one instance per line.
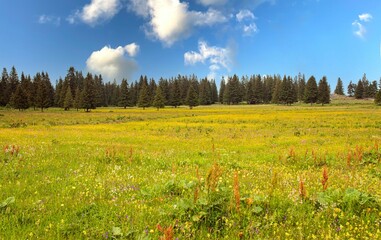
88 92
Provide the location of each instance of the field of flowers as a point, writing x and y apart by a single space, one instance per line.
219 172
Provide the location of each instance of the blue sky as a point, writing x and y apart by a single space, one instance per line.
127 38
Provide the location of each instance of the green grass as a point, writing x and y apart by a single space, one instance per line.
116 173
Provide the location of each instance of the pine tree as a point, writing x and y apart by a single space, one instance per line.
301 87
351 89
222 89
19 99
287 92
192 97
78 102
3 87
234 90
124 96
214 91
144 98
43 91
339 90
88 94
377 99
205 95
359 91
311 91
276 92
323 92
68 102
250 91
258 90
175 94
12 82
159 100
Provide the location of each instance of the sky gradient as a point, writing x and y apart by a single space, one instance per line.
214 38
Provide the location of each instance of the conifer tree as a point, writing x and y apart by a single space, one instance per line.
258 90
144 98
88 96
175 94
159 100
277 90
250 91
351 89
323 91
339 90
19 99
124 96
192 97
377 99
205 95
43 91
3 87
78 103
68 102
311 91
222 89
359 91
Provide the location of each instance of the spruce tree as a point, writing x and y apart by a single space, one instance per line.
159 100
175 94
311 91
351 89
68 101
250 91
339 90
19 99
192 97
144 98
359 91
323 91
377 99
222 89
88 94
276 91
78 103
43 91
124 96
258 90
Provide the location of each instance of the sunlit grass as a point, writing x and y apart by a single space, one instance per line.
114 172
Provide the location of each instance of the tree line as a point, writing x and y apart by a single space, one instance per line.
88 92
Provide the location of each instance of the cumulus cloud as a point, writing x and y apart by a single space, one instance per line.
245 19
212 2
46 19
114 63
360 29
95 12
244 14
365 17
215 57
250 29
171 20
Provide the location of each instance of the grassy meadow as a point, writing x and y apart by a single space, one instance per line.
218 172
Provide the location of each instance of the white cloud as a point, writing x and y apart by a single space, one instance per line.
250 29
360 29
46 19
95 12
132 49
215 57
212 2
244 14
171 20
112 63
365 17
